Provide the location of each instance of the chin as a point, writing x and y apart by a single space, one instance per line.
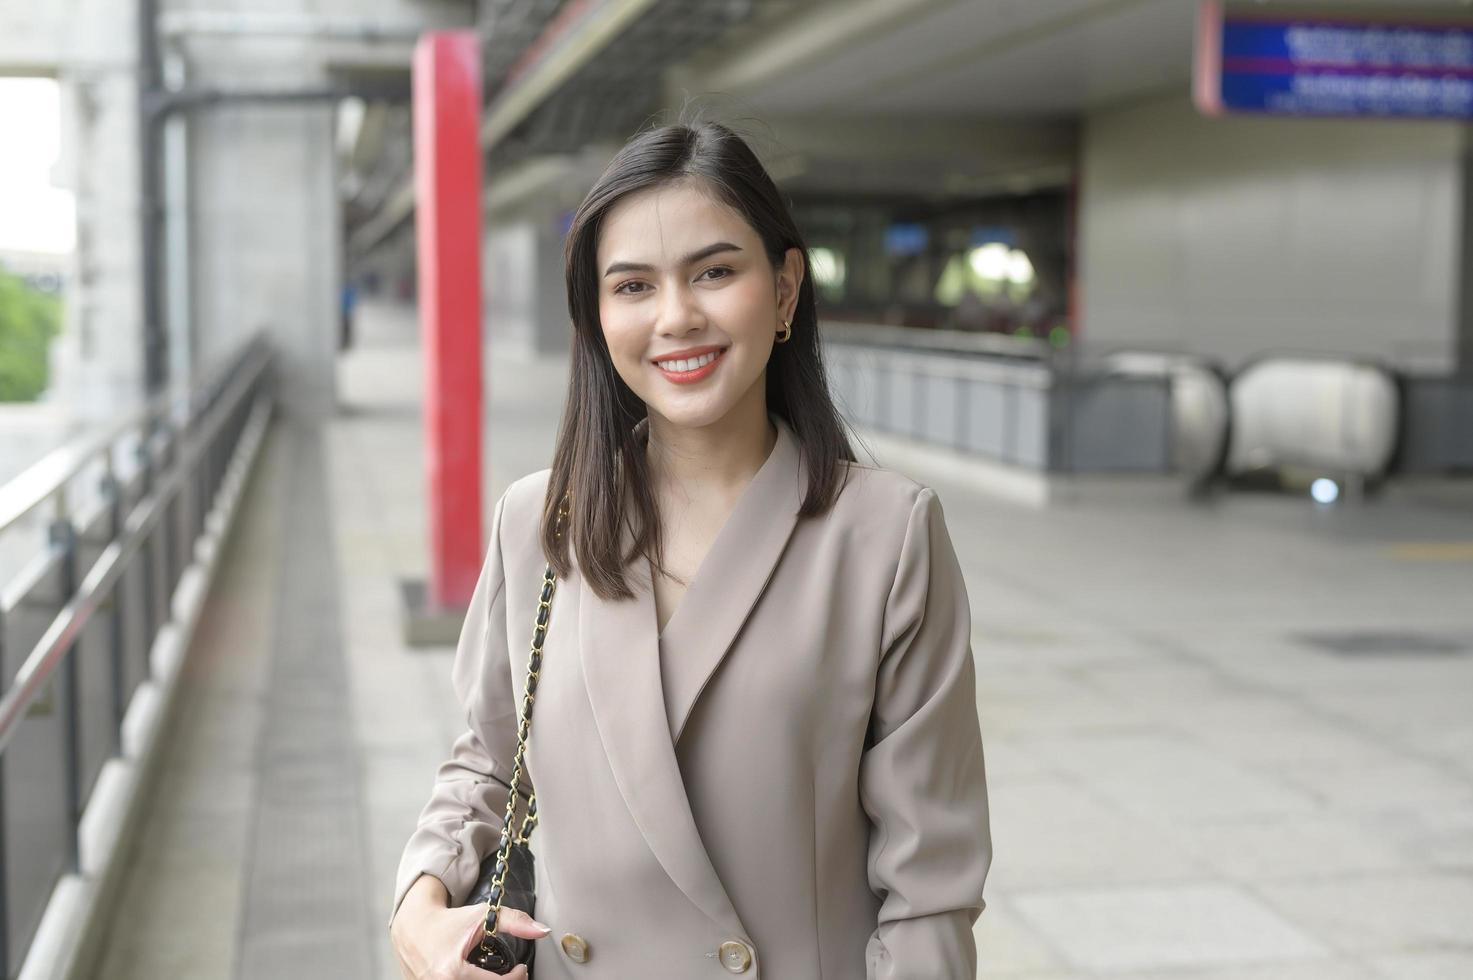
691 417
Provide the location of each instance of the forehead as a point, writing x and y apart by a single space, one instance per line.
667 222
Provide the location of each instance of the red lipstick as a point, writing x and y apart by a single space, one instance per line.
697 374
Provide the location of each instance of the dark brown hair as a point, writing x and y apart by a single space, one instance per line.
599 455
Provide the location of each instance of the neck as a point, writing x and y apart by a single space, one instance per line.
724 455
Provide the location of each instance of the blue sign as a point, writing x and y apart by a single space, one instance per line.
1257 60
904 238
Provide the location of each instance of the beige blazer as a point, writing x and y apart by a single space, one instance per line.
787 783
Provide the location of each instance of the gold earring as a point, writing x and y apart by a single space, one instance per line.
787 333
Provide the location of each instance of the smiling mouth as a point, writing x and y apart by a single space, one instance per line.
684 365
688 369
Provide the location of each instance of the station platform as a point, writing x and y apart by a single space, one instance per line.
1225 740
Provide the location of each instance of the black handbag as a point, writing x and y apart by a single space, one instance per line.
508 878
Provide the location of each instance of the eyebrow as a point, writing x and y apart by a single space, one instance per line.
695 256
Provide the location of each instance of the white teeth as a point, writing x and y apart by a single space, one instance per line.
689 364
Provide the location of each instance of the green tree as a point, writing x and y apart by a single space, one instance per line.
28 321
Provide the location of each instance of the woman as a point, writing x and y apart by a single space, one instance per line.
755 747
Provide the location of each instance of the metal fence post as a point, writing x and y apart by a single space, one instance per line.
144 455
63 535
167 543
112 492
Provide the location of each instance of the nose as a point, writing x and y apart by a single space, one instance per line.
679 311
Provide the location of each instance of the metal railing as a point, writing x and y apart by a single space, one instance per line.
1014 404
122 509
1139 409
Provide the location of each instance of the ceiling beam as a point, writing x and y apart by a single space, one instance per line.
572 39
819 32
576 35
896 137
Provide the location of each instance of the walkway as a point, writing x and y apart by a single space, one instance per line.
1224 742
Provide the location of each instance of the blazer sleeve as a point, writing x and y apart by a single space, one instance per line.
922 777
461 822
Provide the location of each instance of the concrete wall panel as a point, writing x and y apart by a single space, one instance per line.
1245 234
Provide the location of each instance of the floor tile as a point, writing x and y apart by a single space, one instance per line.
1108 930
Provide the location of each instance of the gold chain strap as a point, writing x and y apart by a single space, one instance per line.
534 665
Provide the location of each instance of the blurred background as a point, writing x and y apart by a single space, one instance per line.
1171 301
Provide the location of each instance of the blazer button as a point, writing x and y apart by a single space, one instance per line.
735 956
575 947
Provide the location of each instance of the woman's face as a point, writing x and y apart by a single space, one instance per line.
680 271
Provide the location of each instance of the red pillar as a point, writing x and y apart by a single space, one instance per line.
447 178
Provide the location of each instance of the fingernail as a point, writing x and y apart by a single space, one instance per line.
545 928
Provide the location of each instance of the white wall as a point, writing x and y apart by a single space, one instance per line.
1245 234
89 47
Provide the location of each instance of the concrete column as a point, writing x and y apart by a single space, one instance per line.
267 252
526 301
97 362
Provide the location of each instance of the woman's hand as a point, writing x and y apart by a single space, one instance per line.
432 941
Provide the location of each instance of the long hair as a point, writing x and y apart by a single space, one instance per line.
599 453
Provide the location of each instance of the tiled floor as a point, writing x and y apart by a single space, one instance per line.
1182 784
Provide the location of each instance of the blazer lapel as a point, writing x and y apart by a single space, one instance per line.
618 644
734 572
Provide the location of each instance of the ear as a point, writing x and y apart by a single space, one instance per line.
789 278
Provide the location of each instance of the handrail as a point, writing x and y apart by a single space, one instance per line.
43 479
74 616
1032 403
112 566
935 364
949 341
48 476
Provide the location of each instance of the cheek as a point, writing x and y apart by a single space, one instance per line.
743 309
622 332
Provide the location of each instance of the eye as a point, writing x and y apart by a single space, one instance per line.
629 282
725 270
